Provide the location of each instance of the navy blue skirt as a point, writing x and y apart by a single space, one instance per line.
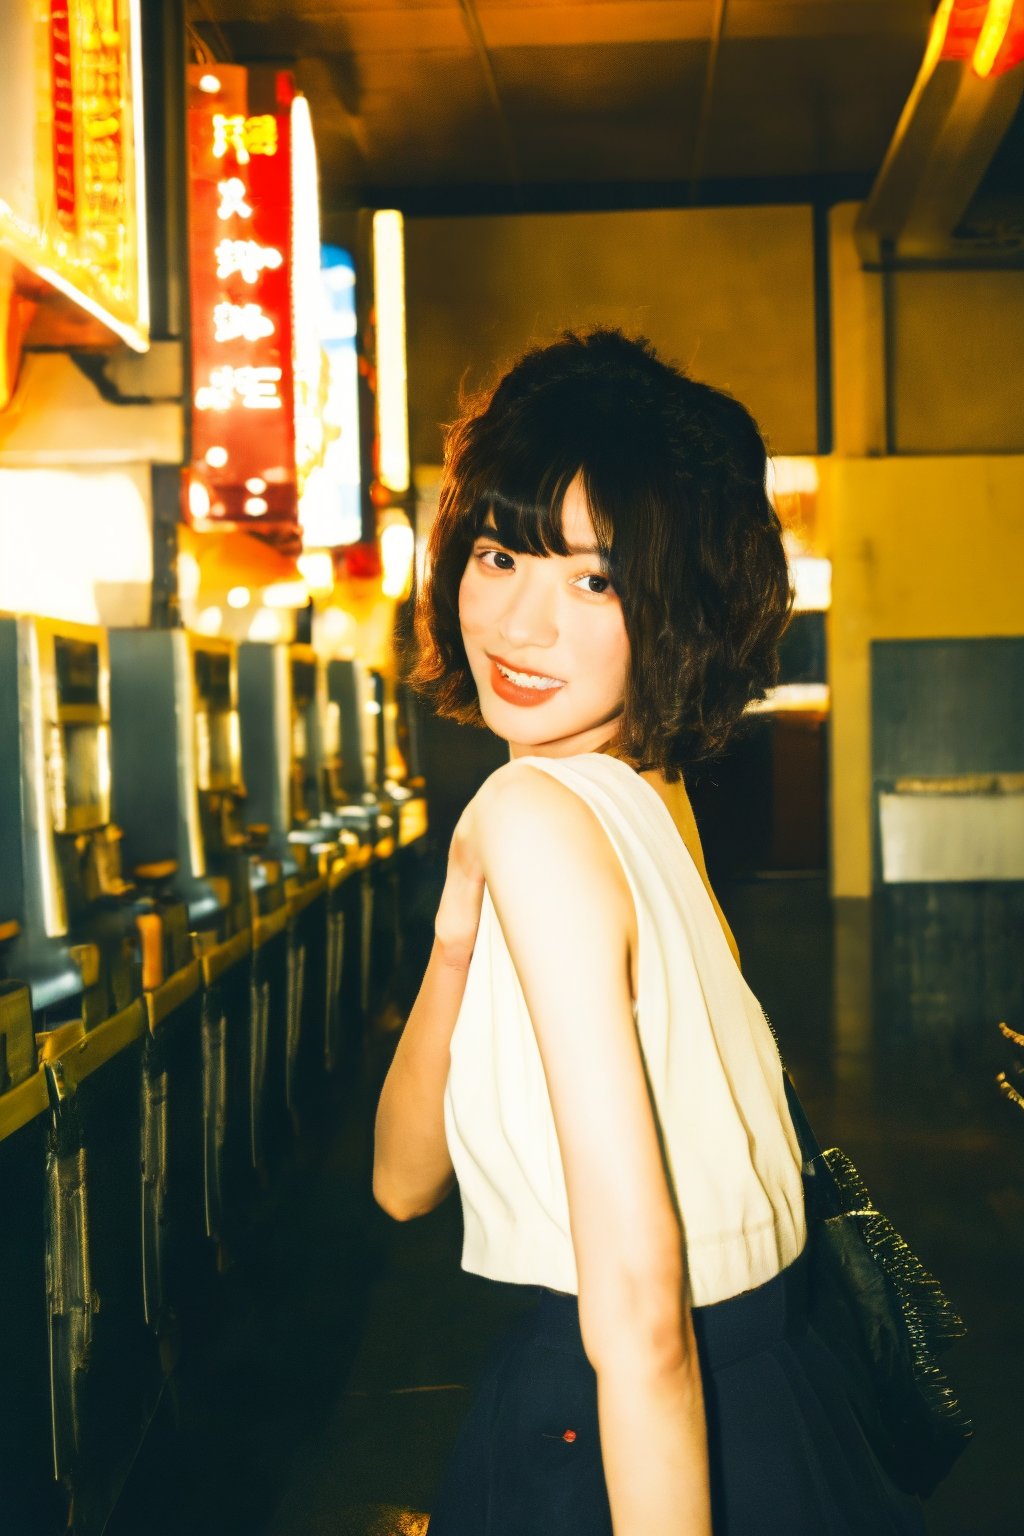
787 1455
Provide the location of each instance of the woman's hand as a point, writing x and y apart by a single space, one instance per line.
458 914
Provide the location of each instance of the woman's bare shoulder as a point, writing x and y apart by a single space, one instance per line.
524 815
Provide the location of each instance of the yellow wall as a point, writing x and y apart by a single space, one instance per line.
922 548
727 292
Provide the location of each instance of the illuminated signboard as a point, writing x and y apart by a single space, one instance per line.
241 245
72 194
331 507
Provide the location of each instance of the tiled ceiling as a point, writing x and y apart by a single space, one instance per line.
478 104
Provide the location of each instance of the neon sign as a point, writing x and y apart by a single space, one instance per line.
72 192
241 241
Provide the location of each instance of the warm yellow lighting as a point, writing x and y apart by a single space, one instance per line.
396 554
198 499
256 485
76 544
992 36
239 597
286 594
317 568
209 621
254 506
335 632
188 577
795 698
266 627
308 360
812 582
937 37
103 764
101 263
216 456
389 305
210 84
790 477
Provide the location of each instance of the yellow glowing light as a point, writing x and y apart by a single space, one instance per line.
256 485
198 499
209 621
396 554
336 632
188 577
216 456
812 582
239 597
791 477
317 567
267 627
937 36
254 506
286 594
308 356
992 36
103 764
392 394
210 84
244 136
102 266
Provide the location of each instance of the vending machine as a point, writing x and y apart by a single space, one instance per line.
288 744
72 919
179 791
77 944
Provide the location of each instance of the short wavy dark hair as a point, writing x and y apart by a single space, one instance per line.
674 475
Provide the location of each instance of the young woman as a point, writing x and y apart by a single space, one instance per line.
606 589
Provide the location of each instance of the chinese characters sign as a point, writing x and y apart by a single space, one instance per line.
71 188
243 420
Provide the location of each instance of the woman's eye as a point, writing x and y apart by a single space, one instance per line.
499 554
605 587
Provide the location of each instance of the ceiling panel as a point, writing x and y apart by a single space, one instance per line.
802 107
616 115
426 97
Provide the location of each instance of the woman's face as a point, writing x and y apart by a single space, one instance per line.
557 622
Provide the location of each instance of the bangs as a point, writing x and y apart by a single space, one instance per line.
526 503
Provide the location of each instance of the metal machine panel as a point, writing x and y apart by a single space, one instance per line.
76 945
178 783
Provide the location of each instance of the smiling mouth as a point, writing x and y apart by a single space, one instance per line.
523 679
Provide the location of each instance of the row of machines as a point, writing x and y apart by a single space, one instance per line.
203 851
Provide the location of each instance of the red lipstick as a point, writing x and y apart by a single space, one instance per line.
512 693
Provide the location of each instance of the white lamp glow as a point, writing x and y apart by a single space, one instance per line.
392 390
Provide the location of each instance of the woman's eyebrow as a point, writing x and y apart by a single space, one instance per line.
489 530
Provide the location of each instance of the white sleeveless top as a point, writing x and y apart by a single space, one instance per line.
712 1063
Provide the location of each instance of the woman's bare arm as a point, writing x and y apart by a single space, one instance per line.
412 1171
563 901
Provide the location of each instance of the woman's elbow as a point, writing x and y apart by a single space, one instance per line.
639 1322
401 1206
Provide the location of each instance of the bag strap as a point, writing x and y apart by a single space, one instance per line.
809 1148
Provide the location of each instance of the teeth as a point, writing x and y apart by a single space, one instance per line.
527 680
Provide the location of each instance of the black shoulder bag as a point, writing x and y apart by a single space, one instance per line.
883 1316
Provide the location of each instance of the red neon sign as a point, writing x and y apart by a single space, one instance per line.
63 113
243 396
988 33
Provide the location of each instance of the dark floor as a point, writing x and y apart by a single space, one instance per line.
350 1343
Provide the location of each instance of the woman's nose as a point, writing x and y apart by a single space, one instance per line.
528 617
